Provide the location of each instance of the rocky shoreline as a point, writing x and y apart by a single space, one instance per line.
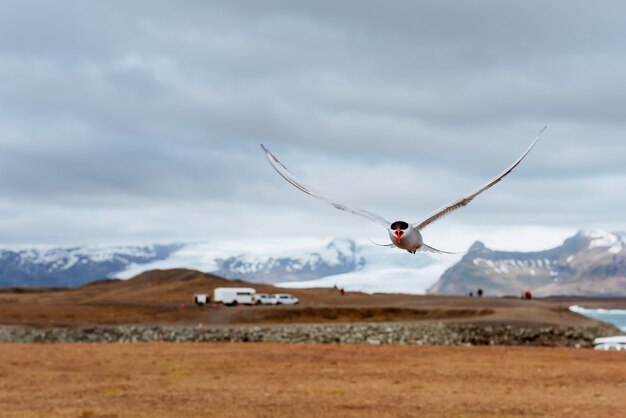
378 333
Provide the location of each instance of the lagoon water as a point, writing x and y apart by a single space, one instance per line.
613 316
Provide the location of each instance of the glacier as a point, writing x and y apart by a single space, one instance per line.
306 263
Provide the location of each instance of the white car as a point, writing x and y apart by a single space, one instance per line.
617 342
286 299
264 299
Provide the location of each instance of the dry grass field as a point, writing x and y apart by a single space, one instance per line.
273 380
285 380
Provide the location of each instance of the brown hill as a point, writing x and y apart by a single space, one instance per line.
166 297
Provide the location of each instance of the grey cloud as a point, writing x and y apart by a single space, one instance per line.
131 106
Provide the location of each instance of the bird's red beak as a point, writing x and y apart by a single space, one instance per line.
399 234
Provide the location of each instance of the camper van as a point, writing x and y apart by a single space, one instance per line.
234 295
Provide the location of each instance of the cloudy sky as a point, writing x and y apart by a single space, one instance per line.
139 122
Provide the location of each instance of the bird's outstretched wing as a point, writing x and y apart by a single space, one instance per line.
282 170
466 199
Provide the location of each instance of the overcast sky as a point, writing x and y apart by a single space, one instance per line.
140 122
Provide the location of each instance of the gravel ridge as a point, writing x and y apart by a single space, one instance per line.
371 333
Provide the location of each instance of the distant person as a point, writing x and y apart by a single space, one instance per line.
479 293
471 294
341 291
528 295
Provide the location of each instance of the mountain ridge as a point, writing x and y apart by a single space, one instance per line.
590 263
337 257
73 266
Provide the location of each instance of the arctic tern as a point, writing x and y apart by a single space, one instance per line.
403 235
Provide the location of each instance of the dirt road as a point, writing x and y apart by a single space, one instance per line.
269 380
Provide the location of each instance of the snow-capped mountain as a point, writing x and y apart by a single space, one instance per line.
591 263
73 266
289 263
339 256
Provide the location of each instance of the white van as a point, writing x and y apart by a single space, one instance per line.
234 295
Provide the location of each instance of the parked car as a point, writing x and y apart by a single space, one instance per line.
264 299
234 295
286 299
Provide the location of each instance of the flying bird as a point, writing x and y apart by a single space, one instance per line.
403 235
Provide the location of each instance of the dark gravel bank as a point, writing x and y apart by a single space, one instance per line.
386 333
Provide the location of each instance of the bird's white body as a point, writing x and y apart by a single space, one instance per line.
402 234
411 240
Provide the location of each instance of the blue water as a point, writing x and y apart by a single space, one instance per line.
613 316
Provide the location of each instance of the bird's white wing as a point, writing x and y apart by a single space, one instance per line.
282 170
466 199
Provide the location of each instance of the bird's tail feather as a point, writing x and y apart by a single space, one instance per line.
381 245
434 250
